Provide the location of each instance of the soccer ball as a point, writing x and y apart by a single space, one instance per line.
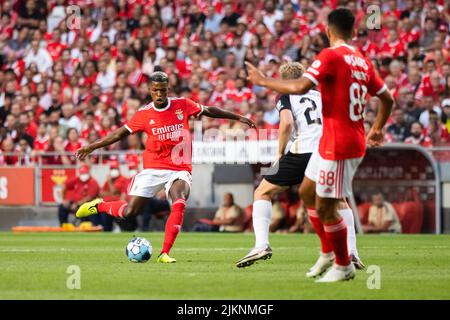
138 250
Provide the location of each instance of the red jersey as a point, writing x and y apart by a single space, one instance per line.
77 189
167 129
41 143
423 141
392 50
55 49
120 185
369 49
240 95
344 77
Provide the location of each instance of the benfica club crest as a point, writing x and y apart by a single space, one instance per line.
179 114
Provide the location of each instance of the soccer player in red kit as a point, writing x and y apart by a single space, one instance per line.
344 77
167 157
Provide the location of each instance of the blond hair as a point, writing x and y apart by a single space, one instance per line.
291 70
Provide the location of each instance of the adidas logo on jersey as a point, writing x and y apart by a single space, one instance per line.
328 190
152 121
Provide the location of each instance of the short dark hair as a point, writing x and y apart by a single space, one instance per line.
414 122
343 19
159 76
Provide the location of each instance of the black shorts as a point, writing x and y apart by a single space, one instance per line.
289 170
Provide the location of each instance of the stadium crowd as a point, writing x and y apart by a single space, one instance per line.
72 74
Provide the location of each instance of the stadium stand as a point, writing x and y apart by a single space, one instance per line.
73 71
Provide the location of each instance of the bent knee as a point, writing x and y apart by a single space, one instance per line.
326 209
258 193
308 196
262 193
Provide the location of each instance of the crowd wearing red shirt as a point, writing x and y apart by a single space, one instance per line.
70 76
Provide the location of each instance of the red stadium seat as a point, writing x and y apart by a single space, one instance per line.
363 211
285 206
429 216
248 224
410 214
292 214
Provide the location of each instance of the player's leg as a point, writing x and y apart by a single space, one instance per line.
326 258
144 185
262 211
334 184
308 194
346 213
336 232
261 217
118 209
178 189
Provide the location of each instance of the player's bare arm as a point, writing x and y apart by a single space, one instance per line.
295 86
215 112
375 136
113 137
285 130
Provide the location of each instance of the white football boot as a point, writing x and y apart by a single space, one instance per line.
255 255
322 264
338 273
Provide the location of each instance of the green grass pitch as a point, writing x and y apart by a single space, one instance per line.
33 266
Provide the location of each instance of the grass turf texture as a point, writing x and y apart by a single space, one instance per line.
33 266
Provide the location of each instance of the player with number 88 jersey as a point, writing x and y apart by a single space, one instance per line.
344 77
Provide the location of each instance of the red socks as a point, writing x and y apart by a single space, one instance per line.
113 208
337 236
318 226
173 224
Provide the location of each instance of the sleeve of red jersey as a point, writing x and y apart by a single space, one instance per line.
193 109
322 67
136 123
376 85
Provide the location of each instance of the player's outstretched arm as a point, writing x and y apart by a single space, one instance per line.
375 136
295 86
113 137
214 112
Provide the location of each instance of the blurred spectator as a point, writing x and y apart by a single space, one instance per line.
212 20
69 119
446 114
278 216
430 105
25 157
399 129
114 188
382 217
228 218
417 136
92 77
302 223
77 191
38 56
437 132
